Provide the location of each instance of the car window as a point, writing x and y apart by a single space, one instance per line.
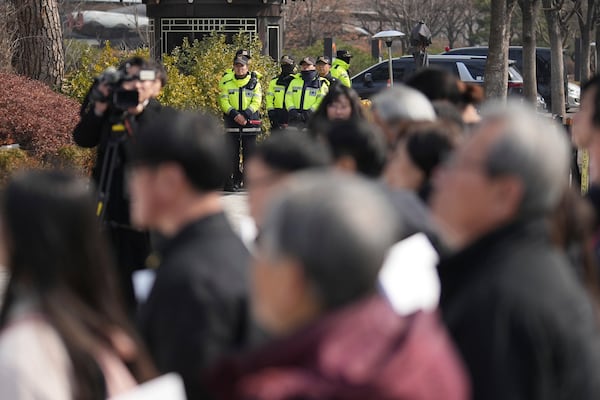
477 69
401 71
449 66
514 74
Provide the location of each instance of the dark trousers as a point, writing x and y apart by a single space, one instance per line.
247 143
131 248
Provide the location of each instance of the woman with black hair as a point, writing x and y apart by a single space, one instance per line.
340 103
64 333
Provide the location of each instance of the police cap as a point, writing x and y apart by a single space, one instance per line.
286 60
343 54
243 53
324 60
308 60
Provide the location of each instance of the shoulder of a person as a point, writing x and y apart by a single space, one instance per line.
31 349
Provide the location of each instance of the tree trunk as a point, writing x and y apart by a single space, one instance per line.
39 47
585 28
529 10
557 83
496 68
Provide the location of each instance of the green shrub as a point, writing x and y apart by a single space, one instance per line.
15 160
93 62
194 71
75 158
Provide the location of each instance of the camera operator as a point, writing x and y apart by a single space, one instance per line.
119 104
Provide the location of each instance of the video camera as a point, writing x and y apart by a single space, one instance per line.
118 97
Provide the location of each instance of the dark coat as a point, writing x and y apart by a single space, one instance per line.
95 131
197 310
364 351
521 320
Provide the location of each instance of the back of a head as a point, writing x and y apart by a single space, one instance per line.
402 103
360 140
292 152
193 140
317 222
55 240
533 148
436 84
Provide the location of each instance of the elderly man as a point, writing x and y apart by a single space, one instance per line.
314 287
524 325
396 107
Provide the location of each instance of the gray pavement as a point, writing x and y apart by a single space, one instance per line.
236 208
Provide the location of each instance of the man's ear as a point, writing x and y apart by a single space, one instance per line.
509 192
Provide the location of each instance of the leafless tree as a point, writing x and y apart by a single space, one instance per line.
556 14
586 11
310 20
39 47
496 68
529 13
7 34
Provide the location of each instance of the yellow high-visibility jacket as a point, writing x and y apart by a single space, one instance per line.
235 98
339 70
294 99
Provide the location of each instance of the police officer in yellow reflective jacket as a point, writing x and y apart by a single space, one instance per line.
305 92
240 100
275 98
228 74
340 66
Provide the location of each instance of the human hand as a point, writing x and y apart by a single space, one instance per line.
240 120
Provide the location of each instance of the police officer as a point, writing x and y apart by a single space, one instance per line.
240 101
340 66
278 115
324 68
228 74
305 93
110 122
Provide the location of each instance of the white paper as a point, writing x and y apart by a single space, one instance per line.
409 277
166 387
143 280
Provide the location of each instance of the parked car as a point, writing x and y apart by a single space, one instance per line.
467 68
542 65
573 94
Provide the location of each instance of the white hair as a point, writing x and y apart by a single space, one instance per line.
532 147
402 103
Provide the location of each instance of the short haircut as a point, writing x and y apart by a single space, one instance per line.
195 141
402 103
532 148
436 84
325 221
594 83
362 141
287 152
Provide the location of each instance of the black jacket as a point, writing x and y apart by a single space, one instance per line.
521 320
197 310
92 131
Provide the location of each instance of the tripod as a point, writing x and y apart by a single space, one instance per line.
118 134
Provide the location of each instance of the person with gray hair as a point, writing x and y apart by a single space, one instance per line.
314 287
395 107
522 322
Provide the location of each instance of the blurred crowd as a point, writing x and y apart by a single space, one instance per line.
428 246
